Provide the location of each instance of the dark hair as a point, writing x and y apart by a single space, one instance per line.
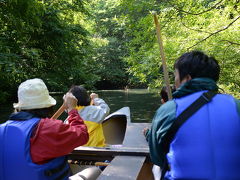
42 113
197 64
81 94
164 94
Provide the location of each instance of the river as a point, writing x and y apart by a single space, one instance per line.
143 103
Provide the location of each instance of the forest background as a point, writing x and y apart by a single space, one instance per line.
111 44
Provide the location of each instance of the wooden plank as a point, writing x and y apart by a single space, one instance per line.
123 168
134 136
111 151
146 172
132 162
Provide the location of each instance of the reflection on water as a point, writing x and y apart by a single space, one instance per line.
143 104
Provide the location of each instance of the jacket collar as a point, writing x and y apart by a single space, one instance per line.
195 85
21 116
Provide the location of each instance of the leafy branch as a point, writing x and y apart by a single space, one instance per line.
187 12
198 30
214 33
232 43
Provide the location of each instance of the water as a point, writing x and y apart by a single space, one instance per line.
143 103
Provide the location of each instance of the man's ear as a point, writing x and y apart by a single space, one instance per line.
162 101
186 79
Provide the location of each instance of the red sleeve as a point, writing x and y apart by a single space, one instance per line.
52 138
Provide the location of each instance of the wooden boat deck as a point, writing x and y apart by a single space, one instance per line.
132 161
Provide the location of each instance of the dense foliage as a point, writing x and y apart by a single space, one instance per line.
112 43
41 39
211 26
108 38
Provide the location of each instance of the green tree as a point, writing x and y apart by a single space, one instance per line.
42 39
211 26
109 37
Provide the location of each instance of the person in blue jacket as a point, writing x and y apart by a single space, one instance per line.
207 145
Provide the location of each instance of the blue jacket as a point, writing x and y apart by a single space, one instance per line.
207 146
15 159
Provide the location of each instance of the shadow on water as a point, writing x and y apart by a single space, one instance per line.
143 103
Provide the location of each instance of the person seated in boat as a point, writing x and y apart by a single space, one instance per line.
34 146
164 94
93 110
206 146
164 98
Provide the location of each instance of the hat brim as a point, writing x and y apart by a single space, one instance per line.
50 102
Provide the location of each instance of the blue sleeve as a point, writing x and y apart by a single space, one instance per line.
162 120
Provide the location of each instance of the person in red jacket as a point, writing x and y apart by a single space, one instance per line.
33 146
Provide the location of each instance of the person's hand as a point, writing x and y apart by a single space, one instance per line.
70 101
145 130
93 96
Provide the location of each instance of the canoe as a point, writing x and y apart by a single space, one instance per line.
127 150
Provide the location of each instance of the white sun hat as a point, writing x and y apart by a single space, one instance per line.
33 94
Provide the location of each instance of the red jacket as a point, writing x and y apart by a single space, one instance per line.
52 138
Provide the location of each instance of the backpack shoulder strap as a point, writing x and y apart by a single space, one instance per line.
182 118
